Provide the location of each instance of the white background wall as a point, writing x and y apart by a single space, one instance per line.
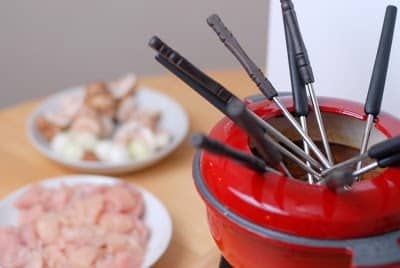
342 37
47 45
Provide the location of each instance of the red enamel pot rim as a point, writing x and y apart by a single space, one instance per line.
290 206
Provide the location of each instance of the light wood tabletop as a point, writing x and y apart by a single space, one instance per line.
170 180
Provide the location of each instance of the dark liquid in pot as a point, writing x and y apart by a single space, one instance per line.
340 153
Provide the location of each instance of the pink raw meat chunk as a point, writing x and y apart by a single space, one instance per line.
36 195
76 227
121 198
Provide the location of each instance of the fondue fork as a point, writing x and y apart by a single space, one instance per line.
265 146
238 111
304 68
377 85
218 103
378 151
342 178
218 96
201 141
300 100
260 80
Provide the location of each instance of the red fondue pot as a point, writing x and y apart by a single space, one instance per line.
267 220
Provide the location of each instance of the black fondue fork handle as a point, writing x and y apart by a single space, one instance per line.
205 93
233 45
302 59
201 141
265 147
385 148
379 73
300 99
189 69
391 161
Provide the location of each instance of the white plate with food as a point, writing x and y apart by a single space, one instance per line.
85 221
108 127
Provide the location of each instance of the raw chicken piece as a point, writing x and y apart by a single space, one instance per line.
116 242
120 199
88 122
28 237
47 128
99 98
30 215
146 116
115 222
52 122
88 210
35 260
59 198
35 195
107 262
128 259
126 109
71 104
84 256
48 228
140 232
54 256
123 87
127 132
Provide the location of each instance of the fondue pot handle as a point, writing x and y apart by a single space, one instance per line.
378 251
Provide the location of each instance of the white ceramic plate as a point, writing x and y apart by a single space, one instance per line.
156 215
174 119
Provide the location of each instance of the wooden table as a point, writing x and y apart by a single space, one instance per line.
170 180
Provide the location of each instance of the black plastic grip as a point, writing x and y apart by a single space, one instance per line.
190 70
206 94
246 121
299 92
391 161
302 59
379 73
201 141
255 73
385 148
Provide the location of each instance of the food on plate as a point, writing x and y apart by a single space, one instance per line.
83 225
105 123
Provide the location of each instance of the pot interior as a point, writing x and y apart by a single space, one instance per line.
344 133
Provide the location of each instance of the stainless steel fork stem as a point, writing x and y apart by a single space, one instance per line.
322 129
286 141
303 122
299 129
365 140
